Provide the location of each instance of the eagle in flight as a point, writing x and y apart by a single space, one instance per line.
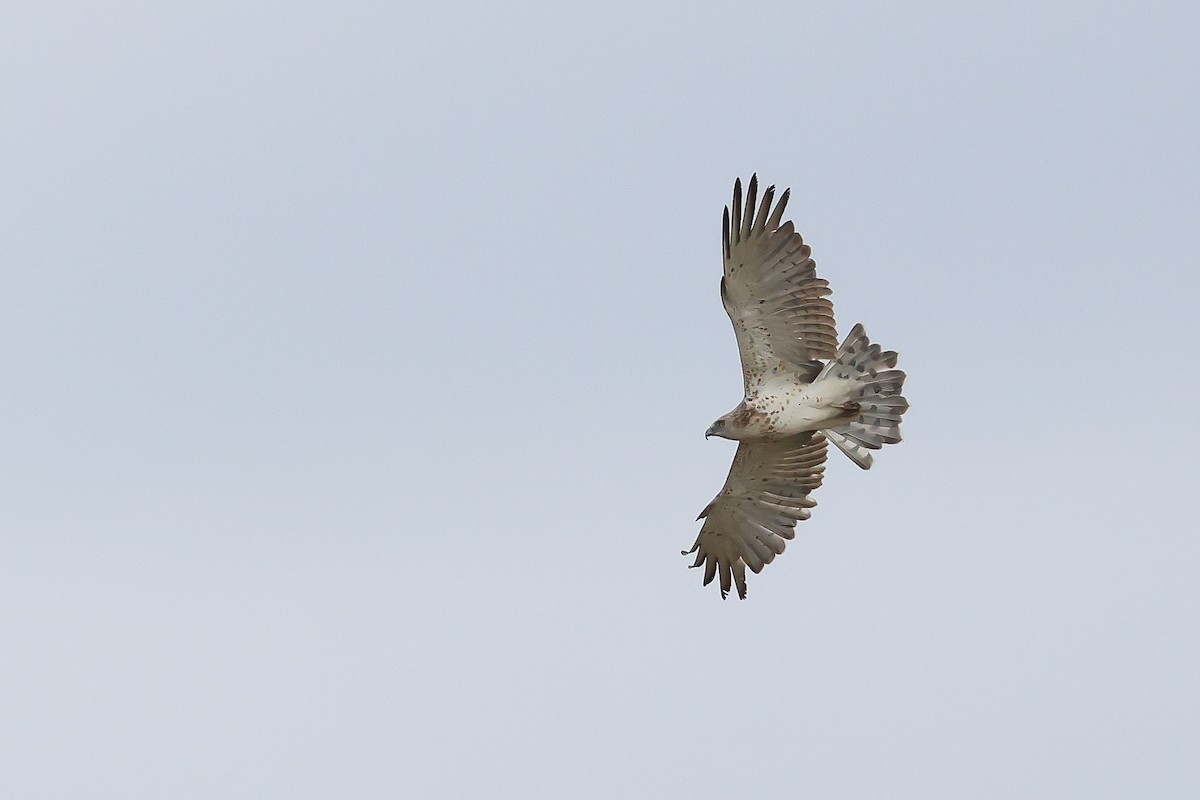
801 391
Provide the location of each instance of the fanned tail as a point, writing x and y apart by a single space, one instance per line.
876 397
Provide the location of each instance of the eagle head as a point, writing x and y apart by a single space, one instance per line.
740 424
719 428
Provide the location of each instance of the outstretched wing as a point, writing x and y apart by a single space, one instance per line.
780 310
766 493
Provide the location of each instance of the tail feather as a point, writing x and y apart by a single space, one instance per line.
876 393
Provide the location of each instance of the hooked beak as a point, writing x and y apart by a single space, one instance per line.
710 430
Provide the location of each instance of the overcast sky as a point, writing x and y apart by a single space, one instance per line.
355 360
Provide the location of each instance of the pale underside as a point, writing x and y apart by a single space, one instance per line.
783 321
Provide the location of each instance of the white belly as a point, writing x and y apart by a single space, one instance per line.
806 407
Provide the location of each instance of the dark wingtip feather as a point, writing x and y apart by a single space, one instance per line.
751 199
777 215
737 209
760 222
725 232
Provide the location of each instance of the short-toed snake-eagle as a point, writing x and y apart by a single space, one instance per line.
801 389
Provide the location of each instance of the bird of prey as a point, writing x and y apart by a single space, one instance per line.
801 390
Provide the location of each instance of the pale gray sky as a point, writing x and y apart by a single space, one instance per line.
357 359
